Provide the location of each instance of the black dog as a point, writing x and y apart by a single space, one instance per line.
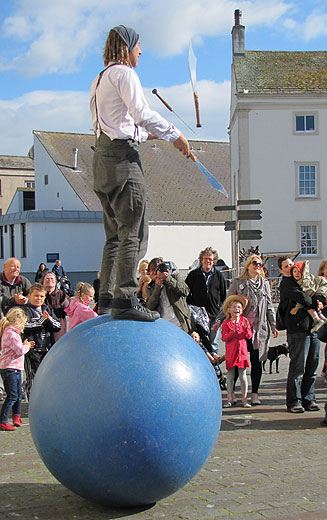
274 354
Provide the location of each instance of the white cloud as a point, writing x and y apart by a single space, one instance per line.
69 112
311 26
214 99
58 35
41 110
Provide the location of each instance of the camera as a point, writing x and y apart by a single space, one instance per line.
163 267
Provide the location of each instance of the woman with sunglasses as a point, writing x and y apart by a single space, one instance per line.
260 313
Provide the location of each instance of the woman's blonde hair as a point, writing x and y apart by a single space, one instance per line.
83 288
322 266
116 50
142 263
14 316
245 273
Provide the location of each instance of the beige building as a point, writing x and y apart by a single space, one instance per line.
15 172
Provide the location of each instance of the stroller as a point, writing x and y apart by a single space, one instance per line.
200 324
65 286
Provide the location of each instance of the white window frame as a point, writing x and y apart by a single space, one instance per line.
305 114
300 230
306 196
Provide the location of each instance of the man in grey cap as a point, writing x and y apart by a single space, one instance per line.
121 119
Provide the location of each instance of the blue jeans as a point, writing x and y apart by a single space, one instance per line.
214 338
12 380
304 360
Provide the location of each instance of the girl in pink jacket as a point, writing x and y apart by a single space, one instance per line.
79 308
236 330
12 365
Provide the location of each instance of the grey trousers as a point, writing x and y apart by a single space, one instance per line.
120 186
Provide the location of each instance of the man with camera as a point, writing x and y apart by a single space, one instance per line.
167 295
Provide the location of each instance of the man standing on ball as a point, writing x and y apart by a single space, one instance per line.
119 115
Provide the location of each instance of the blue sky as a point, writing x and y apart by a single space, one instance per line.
51 51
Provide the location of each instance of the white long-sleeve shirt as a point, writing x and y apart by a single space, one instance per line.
121 104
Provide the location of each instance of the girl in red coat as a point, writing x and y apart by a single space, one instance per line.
236 330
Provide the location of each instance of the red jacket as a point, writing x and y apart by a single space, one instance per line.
236 344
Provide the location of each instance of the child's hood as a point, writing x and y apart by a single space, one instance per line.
74 302
303 267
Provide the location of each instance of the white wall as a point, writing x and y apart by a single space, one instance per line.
273 150
80 245
16 203
46 195
182 244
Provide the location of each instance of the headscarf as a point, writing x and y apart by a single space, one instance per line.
128 35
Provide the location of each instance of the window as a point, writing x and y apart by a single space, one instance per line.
46 180
308 239
23 240
30 184
12 240
307 180
1 243
306 123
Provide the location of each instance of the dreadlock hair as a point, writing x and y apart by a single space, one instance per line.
116 50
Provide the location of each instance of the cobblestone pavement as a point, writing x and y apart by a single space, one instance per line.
267 464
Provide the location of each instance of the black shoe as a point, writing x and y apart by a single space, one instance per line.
136 313
104 310
312 407
297 408
324 422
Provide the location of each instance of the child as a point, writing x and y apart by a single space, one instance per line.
235 331
39 327
78 309
312 286
57 301
12 365
200 324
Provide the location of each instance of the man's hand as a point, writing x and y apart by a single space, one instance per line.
293 311
45 315
20 299
182 145
276 333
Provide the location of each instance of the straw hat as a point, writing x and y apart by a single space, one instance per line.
234 298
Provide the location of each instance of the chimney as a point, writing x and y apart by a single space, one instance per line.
75 154
238 32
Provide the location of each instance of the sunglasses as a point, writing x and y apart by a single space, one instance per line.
257 264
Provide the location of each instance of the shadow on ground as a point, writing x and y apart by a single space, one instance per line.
54 502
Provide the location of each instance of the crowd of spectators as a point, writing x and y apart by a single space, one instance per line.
198 305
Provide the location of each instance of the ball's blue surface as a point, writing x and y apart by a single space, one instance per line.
125 412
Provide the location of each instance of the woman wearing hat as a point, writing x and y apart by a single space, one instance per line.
260 313
236 330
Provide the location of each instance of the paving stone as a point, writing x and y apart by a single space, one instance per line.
267 465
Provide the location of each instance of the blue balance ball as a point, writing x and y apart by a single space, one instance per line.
123 412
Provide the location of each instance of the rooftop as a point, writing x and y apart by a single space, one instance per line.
11 162
281 72
176 189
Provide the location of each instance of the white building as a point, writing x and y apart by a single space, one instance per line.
278 130
67 220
